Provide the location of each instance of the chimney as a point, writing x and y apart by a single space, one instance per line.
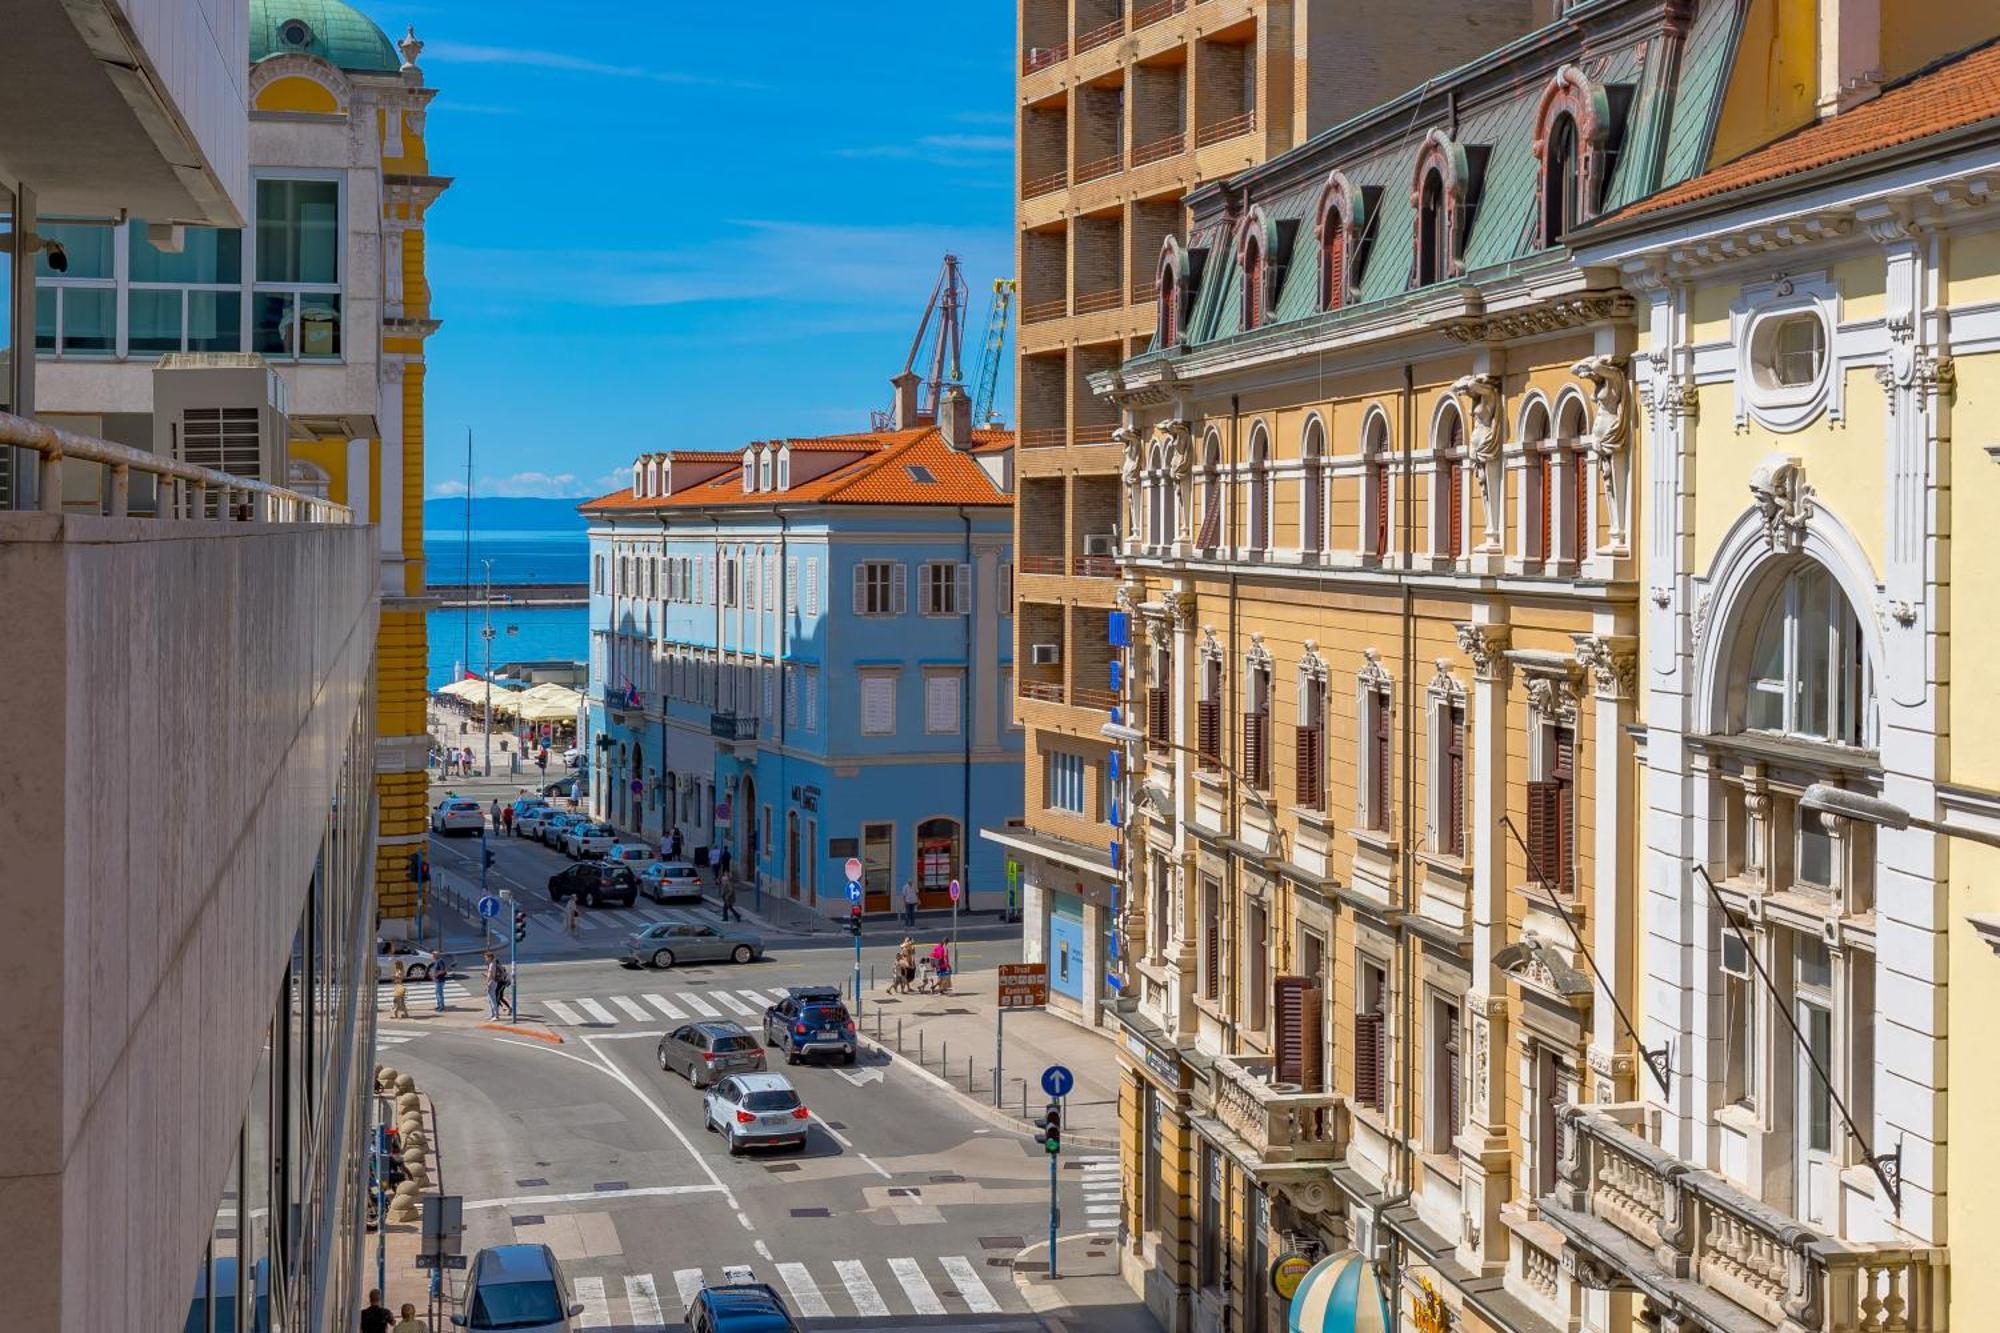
955 417
906 399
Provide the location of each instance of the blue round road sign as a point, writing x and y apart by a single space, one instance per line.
489 907
854 890
1057 1080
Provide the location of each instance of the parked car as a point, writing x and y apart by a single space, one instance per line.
756 1111
635 854
670 942
455 814
594 884
528 823
523 804
419 963
740 1307
586 841
810 1020
551 830
517 1287
706 1052
670 881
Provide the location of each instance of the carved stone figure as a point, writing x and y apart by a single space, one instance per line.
1784 501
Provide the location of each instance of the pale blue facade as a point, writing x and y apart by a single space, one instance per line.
772 684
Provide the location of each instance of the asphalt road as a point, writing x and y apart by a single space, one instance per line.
904 1209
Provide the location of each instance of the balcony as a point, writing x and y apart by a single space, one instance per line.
1226 129
1048 184
1089 303
1099 168
1041 564
1043 437
1170 146
1054 308
1276 1121
732 726
1146 15
1098 36
1041 57
1715 1257
1042 691
1101 700
1094 434
1093 566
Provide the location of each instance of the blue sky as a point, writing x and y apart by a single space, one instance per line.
690 225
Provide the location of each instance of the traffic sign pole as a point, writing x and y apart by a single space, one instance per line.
854 908
956 892
999 1048
513 958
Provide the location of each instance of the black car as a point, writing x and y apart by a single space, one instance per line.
740 1307
810 1020
595 883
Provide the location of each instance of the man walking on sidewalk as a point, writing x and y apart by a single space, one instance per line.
570 913
438 971
722 865
909 902
729 911
376 1317
496 978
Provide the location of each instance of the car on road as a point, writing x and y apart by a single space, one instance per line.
586 841
455 814
739 1307
671 881
520 1288
528 823
594 884
706 1052
810 1020
671 942
551 830
419 963
756 1111
635 854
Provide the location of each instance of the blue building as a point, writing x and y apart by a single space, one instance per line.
804 652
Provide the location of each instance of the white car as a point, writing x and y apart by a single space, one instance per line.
635 854
587 842
668 881
456 814
528 823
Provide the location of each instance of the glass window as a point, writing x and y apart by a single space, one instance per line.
297 310
1797 348
1809 673
1064 789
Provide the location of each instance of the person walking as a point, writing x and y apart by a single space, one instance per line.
906 966
493 814
439 971
941 959
399 994
507 820
571 911
375 1318
910 903
495 976
722 865
729 911
409 1323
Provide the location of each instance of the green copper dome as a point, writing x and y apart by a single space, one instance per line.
336 32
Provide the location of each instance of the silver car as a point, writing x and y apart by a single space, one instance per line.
517 1287
756 1111
551 829
709 1051
587 842
668 881
671 942
456 814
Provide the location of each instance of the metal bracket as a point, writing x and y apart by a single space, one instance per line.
1659 1059
1888 1169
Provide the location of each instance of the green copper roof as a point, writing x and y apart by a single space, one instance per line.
337 33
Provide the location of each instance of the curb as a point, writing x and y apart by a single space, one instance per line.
992 1115
553 1038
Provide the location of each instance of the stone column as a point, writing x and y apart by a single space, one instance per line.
1484 1143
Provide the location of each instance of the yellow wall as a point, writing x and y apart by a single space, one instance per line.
296 93
1972 268
1917 32
1773 86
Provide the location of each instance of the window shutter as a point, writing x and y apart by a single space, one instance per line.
1455 497
1289 1001
861 590
1368 1059
1253 748
1454 784
1208 723
812 698
1451 1092
1160 716
1312 1070
1211 958
1306 757
941 695
878 705
1333 266
963 589
1545 485
1584 538
1564 811
1380 760
1542 831
899 591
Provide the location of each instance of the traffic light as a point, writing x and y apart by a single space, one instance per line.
486 856
1049 1132
854 921
416 870
520 925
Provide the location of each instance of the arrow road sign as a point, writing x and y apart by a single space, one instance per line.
489 907
854 890
861 1077
1057 1081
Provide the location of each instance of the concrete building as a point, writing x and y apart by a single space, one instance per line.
802 653
327 290
1125 109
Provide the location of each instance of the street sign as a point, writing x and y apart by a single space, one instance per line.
489 907
1057 1081
1024 985
853 868
955 890
1013 872
854 890
1288 1272
442 1260
638 786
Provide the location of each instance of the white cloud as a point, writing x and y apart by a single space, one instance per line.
471 54
938 150
556 485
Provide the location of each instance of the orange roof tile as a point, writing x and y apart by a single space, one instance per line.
1961 90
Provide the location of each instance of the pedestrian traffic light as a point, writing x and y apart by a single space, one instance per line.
416 867
486 856
520 925
854 921
1049 1134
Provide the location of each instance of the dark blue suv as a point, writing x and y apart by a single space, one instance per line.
810 1020
740 1307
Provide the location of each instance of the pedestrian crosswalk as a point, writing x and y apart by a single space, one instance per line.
421 995
630 920
840 1289
1100 1191
741 1004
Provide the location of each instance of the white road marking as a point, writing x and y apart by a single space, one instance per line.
632 1007
563 1012
597 1011
970 1289
861 1077
922 1298
805 1292
731 1003
759 998
596 1311
643 1301
699 1005
687 1281
665 1006
592 1196
878 1167
763 1250
867 1300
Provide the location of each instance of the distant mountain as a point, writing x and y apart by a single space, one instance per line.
508 513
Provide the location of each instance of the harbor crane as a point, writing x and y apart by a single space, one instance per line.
937 350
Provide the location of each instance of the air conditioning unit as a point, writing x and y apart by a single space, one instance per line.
222 410
1735 957
1045 654
1099 543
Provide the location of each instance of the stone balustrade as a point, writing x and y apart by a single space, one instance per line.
1709 1253
1282 1123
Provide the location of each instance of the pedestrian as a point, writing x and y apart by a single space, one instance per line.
399 995
409 1323
674 845
910 903
571 911
906 966
722 864
941 957
493 814
376 1317
438 974
507 820
495 977
729 901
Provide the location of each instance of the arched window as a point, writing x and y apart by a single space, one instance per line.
1574 539
1562 182
1375 484
1170 307
1253 284
1433 245
785 470
1808 667
1260 491
638 479
1312 490
1538 515
1333 261
749 471
1210 535
1448 489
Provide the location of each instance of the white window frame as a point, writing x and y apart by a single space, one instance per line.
1756 312
1442 696
879 678
934 681
945 587
1060 782
342 250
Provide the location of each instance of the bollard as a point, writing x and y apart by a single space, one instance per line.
920 1047
944 1060
899 1034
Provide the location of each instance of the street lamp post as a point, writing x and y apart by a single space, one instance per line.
486 633
1831 800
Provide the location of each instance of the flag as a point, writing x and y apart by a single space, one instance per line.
631 693
470 674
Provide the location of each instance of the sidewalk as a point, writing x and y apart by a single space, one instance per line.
950 1040
1087 1294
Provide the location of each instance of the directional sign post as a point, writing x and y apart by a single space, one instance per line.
1022 986
1056 1082
956 893
489 907
854 898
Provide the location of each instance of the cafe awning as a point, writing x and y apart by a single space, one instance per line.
1339 1294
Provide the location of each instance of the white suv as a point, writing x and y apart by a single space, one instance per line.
456 814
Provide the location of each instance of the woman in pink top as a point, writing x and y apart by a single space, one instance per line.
941 956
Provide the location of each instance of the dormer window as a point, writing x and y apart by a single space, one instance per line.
749 471
639 480
1577 128
1562 182
1168 320
1253 284
1332 261
1433 243
1341 220
784 469
764 470
1444 194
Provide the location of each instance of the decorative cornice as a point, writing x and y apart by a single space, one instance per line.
1547 318
1486 646
1611 660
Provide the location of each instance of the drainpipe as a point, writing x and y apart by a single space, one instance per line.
670 806
784 713
714 684
965 715
1405 852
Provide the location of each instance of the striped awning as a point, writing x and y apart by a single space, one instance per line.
1339 1294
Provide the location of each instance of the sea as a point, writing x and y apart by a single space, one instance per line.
521 633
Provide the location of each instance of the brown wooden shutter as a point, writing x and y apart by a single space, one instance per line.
1306 756
1454 491
1381 760
1542 831
1368 1059
1564 809
1289 1002
1545 481
1208 726
1379 472
1333 264
1211 949
1312 1041
1454 784
1580 520
1160 717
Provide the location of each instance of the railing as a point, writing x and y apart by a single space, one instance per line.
1047 691
1041 564
184 490
1226 129
1093 434
1757 1258
1101 700
1108 299
733 726
1153 13
1282 1123
1043 437
1109 32
1170 146
1041 57
1099 168
1048 184
1094 566
1054 308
